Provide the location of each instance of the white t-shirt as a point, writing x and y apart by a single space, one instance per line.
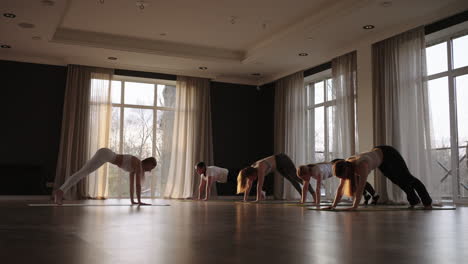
218 174
323 170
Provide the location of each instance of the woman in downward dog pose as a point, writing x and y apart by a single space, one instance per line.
322 171
257 171
354 171
128 163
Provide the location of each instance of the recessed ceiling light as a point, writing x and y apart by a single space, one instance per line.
26 25
111 58
303 54
368 27
163 34
5 46
9 15
36 38
203 68
310 38
386 3
256 74
47 3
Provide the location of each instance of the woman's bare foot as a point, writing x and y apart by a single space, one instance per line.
58 197
428 207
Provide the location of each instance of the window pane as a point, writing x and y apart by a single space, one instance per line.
139 93
330 94
116 92
310 134
436 57
439 109
330 112
138 141
138 132
319 129
310 94
460 52
114 173
319 92
461 83
166 95
164 128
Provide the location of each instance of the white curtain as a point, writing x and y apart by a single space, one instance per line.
85 128
192 136
342 140
401 116
100 109
290 128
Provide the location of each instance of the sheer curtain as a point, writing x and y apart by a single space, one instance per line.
290 127
342 141
84 128
192 136
401 117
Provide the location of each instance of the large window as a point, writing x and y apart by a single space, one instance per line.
320 108
447 70
141 125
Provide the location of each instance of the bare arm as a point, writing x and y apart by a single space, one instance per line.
139 173
247 192
305 188
201 187
318 187
132 187
363 172
261 178
339 194
208 188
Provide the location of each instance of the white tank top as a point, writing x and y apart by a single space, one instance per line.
127 163
323 170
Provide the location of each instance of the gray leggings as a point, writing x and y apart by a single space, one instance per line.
287 169
100 158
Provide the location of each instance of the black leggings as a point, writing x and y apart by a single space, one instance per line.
368 189
394 168
287 169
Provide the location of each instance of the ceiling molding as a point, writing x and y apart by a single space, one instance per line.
312 22
158 47
447 11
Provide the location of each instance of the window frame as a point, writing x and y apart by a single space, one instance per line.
451 75
122 105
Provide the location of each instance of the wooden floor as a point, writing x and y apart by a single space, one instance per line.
222 232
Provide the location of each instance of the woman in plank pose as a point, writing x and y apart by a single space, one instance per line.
128 163
322 171
354 171
257 171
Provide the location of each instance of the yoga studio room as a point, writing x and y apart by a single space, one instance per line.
237 132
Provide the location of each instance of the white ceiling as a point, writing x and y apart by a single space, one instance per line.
232 38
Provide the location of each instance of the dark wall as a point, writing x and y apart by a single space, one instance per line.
242 120
31 107
31 116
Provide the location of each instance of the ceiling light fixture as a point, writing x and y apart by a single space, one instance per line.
9 15
256 74
47 3
203 68
163 34
142 4
386 3
5 46
233 20
36 38
303 54
368 27
26 25
111 58
101 1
